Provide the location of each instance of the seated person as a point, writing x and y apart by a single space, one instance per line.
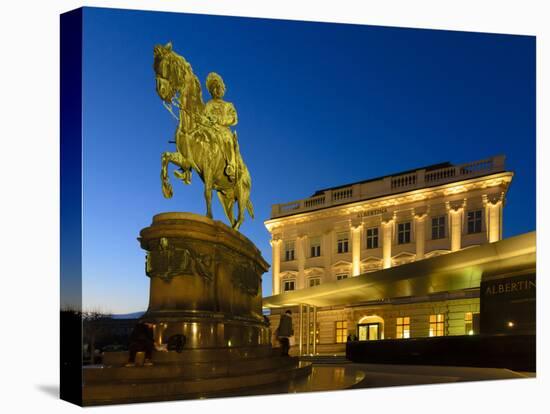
141 340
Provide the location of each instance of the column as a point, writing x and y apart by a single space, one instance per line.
276 265
301 257
493 217
420 234
356 250
301 329
455 224
387 227
308 322
314 330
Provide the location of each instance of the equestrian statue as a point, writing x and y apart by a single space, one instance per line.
204 140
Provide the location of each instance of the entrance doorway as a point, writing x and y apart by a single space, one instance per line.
368 331
370 328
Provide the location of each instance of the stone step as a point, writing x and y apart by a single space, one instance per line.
117 392
191 370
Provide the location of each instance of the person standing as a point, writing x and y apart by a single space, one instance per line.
285 331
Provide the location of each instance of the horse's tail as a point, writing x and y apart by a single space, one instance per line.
250 208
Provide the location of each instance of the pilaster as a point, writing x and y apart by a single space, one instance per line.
387 230
420 233
327 253
301 257
455 212
356 249
276 265
493 216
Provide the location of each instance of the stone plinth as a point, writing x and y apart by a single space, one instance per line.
205 283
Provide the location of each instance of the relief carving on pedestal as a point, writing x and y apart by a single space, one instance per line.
168 260
245 276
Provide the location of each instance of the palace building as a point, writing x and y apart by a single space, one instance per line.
399 256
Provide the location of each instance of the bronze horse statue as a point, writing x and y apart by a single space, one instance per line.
203 143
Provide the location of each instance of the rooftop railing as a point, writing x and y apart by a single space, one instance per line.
390 185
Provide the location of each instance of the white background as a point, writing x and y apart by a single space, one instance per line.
29 223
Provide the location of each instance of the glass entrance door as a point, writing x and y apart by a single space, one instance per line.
368 331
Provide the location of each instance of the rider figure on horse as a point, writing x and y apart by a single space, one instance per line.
204 139
222 115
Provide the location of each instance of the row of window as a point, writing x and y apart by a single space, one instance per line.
403 327
372 235
289 285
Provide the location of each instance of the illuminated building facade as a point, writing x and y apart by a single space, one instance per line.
377 225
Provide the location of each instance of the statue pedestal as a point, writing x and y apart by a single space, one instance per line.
205 284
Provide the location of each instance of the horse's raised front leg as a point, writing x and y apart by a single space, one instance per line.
178 160
184 175
166 158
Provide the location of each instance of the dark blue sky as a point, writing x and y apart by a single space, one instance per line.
319 104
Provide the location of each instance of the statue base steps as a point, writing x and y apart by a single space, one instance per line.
169 381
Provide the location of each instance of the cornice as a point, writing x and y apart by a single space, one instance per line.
502 179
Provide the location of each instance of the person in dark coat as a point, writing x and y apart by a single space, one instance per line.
285 331
141 340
